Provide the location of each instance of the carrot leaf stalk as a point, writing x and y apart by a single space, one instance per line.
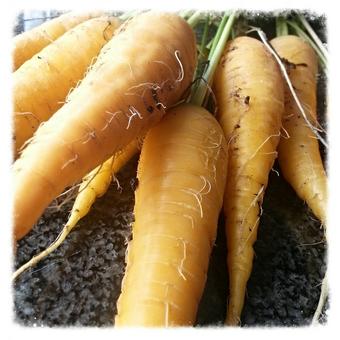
194 19
313 35
281 26
215 53
302 34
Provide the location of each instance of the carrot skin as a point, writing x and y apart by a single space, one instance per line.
249 92
41 85
299 154
27 44
145 68
181 176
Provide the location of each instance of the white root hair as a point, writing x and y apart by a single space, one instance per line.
262 144
252 204
70 161
134 112
109 121
276 172
199 194
286 132
180 268
322 300
284 72
181 72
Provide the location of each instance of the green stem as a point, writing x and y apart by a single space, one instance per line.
218 35
300 32
205 36
214 58
185 13
281 26
128 14
314 36
194 19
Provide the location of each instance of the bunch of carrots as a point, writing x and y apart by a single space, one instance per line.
134 85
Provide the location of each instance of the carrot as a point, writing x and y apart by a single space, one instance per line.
249 93
145 68
41 85
299 155
94 185
27 44
181 176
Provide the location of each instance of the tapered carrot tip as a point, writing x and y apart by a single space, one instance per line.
236 299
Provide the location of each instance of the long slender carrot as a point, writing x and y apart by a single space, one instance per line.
181 176
145 68
41 85
249 92
299 155
94 185
27 44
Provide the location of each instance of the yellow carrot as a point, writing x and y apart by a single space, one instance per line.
27 44
181 176
94 185
249 92
299 155
145 68
41 85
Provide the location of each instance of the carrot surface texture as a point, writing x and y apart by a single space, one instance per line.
145 68
250 98
181 175
299 155
41 85
94 185
27 44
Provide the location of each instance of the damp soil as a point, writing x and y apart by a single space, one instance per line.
79 283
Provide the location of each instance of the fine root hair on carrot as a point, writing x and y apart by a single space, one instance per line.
289 83
81 134
94 185
61 63
28 43
176 209
250 112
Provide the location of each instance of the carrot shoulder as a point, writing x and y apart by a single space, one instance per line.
249 93
181 176
41 85
145 68
27 44
299 155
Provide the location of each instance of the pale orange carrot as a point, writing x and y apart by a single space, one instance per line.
181 176
144 69
249 92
